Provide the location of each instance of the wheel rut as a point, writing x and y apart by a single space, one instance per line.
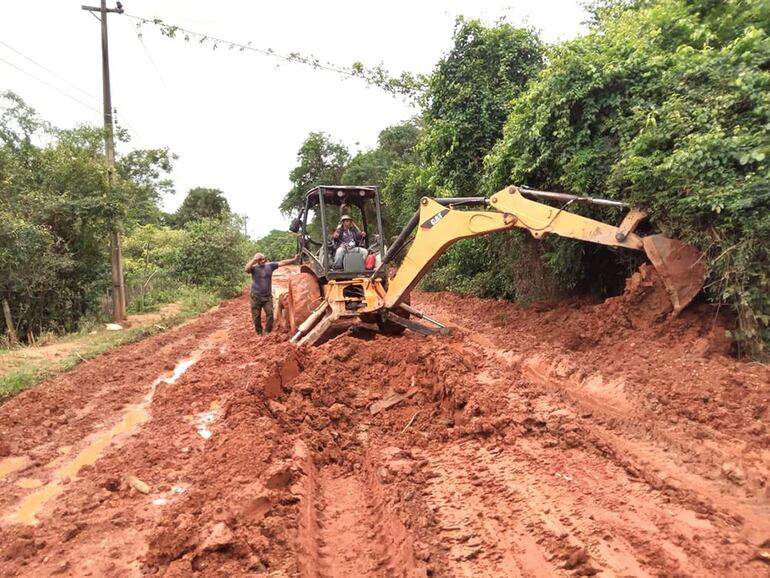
348 542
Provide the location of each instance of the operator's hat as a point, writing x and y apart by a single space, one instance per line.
345 217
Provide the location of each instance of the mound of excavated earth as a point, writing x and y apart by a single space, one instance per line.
569 440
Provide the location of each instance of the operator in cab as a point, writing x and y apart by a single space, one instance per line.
346 240
262 289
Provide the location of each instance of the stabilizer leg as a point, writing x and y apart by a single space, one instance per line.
318 329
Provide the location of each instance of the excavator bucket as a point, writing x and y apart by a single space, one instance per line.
681 267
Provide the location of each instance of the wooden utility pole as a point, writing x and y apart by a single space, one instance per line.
116 257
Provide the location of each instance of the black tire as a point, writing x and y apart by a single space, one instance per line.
304 297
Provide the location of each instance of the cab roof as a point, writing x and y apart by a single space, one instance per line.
341 194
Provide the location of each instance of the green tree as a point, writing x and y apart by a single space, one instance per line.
201 203
277 245
367 168
400 141
57 208
663 104
151 248
29 265
320 162
464 110
468 98
212 255
396 145
145 174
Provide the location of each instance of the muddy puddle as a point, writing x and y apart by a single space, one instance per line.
12 464
133 417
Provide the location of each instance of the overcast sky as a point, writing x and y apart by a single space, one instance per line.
237 119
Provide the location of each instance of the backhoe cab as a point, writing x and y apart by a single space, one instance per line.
320 217
353 286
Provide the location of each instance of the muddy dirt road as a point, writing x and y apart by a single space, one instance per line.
571 441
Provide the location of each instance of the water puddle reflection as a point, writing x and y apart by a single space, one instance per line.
205 419
134 416
11 464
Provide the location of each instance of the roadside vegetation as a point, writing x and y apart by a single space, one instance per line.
663 104
19 371
57 207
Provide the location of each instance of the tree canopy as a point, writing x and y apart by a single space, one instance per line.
469 96
663 104
201 203
320 162
57 208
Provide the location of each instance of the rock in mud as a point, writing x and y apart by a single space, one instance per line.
421 551
111 484
575 559
219 537
138 484
61 568
72 531
271 386
717 342
290 369
278 476
734 473
180 568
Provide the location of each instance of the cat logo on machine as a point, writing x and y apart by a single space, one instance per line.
434 220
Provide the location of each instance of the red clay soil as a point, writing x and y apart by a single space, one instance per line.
573 440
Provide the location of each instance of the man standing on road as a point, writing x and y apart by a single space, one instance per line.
262 289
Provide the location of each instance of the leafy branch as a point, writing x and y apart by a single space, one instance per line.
406 85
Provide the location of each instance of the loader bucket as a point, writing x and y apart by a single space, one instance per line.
681 267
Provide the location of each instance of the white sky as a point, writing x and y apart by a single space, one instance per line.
236 120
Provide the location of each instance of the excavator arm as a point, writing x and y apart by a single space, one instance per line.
439 227
440 222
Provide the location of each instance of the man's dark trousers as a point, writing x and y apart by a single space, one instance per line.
258 303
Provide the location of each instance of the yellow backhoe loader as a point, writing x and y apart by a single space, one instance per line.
338 281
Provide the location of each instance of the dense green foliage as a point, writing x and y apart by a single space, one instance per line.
212 254
321 162
58 206
201 203
277 245
665 106
469 95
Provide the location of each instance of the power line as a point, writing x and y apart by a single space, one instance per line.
49 85
60 77
49 71
171 30
406 84
149 56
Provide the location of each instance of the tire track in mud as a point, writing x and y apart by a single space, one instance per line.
679 516
510 515
481 538
348 542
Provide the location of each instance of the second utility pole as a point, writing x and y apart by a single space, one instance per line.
116 257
